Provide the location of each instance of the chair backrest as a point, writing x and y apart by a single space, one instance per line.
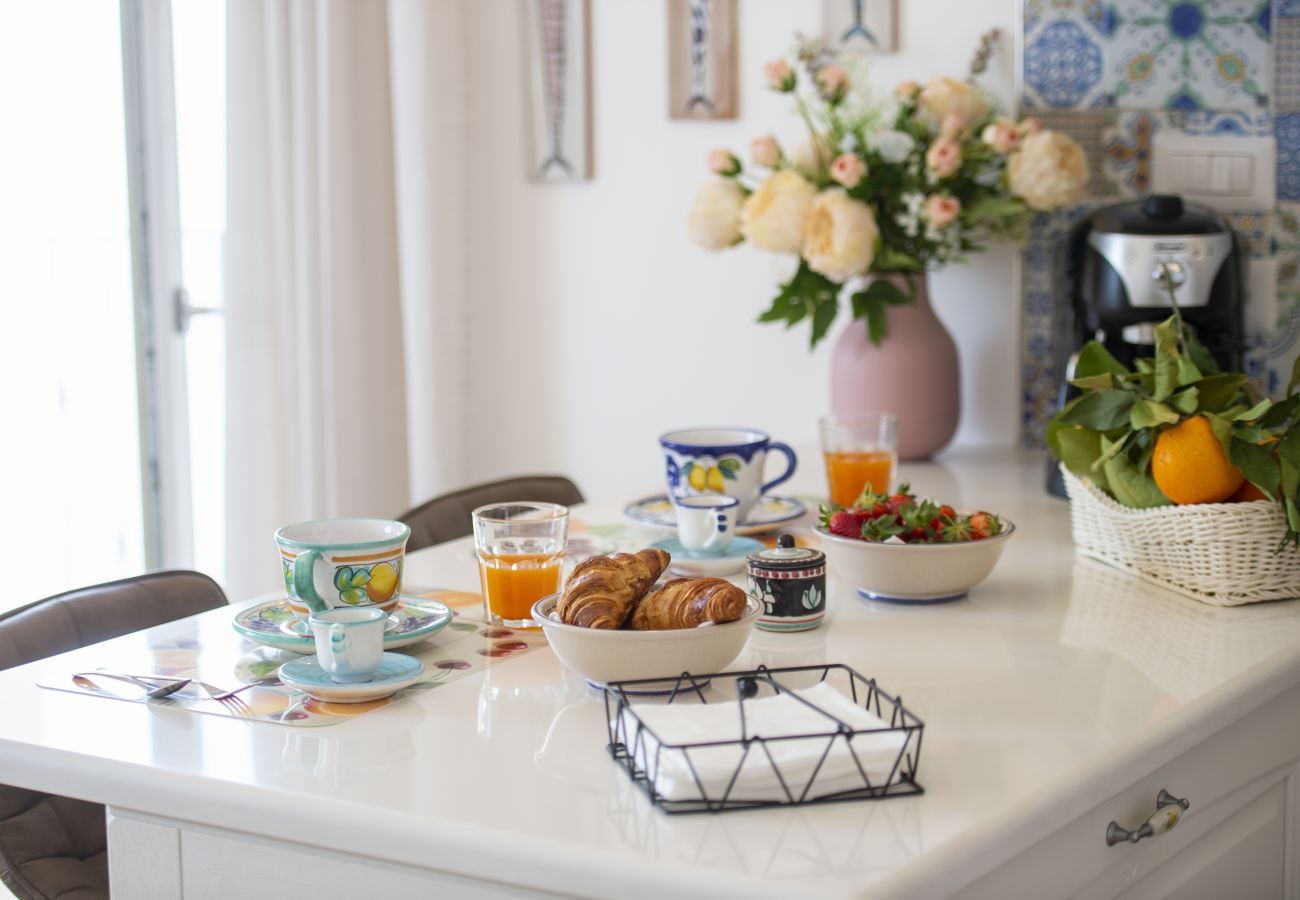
447 517
93 614
52 846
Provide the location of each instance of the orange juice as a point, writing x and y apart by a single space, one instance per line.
512 583
849 472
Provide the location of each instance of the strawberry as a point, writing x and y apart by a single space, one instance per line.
984 525
947 512
845 524
956 532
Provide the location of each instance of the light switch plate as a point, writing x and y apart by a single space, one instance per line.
1228 174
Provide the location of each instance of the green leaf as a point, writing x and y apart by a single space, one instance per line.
870 304
1166 359
1185 401
1218 391
1110 449
1100 411
1188 373
1100 382
889 259
1254 412
1149 413
1094 359
1295 378
1198 354
1076 448
823 316
360 578
1222 428
729 464
1257 464
1281 412
1129 485
802 295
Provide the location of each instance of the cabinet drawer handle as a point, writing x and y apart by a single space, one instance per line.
1169 812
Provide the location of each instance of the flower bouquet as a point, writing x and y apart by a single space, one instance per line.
897 187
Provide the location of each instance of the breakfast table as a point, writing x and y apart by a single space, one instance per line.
1058 696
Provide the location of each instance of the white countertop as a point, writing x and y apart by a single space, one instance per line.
1056 682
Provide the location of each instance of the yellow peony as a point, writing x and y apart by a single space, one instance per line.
1049 171
773 216
947 98
842 235
714 219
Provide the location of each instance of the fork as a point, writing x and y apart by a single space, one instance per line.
220 695
153 690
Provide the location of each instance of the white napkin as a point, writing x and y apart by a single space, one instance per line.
770 717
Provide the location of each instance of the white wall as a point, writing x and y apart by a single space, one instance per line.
593 325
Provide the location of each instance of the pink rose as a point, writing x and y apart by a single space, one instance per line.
848 170
780 77
765 151
723 162
941 210
907 90
1030 126
944 157
1002 136
952 125
832 81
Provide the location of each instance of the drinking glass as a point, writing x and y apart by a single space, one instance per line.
861 451
520 549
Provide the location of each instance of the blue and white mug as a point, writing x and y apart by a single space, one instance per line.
706 523
349 642
722 461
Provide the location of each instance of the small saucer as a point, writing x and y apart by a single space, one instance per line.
395 672
768 514
698 565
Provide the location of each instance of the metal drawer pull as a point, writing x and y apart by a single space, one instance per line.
1169 812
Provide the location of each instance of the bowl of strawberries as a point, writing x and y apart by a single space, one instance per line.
900 548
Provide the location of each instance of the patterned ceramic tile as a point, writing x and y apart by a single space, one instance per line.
1254 233
1286 128
1285 245
1213 122
1286 65
1190 54
1087 127
1288 9
1063 58
1126 152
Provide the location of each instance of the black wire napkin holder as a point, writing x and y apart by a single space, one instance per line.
628 737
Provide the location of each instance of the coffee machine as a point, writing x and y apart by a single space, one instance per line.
1115 283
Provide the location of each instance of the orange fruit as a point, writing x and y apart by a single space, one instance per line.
1246 493
1190 466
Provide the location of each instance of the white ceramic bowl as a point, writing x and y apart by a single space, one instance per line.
913 573
603 655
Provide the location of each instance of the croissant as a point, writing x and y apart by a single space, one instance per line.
602 590
688 602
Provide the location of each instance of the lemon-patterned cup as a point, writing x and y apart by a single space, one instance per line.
722 461
341 563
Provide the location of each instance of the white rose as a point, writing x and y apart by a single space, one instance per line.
714 219
773 216
810 158
943 96
893 146
1049 171
842 235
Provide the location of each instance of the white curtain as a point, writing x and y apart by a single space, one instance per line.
342 266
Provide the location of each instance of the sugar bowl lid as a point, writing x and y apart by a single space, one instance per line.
785 555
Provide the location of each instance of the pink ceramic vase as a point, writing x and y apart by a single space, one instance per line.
912 374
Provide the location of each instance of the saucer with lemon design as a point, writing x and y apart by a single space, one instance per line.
769 513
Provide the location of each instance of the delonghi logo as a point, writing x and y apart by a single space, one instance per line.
1171 247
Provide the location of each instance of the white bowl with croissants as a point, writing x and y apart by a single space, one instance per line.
612 623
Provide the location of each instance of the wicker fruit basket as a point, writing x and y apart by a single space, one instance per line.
1224 554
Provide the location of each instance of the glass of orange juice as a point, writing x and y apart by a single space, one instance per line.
520 549
861 451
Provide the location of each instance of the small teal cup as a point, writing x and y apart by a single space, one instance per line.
349 642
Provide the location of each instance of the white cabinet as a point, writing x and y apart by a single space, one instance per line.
1239 839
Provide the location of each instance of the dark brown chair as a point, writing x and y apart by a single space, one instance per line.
56 847
447 517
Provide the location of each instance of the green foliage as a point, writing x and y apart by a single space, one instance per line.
871 303
807 293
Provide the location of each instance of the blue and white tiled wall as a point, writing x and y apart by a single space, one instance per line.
1114 74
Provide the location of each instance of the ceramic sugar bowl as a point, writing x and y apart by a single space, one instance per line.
790 582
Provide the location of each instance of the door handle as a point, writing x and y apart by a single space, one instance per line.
184 311
1169 812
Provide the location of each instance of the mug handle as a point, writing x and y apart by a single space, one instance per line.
791 462
339 643
304 582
